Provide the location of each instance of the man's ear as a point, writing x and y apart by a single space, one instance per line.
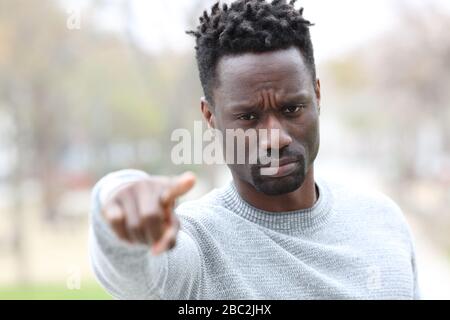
318 94
207 112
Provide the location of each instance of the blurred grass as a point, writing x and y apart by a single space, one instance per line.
91 291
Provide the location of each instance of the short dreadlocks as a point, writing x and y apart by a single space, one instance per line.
249 26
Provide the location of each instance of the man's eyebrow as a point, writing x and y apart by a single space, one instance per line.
244 106
291 99
295 98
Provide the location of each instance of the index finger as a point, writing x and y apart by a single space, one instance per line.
178 187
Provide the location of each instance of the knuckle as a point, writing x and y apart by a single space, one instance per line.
121 192
135 227
111 212
116 220
128 192
143 184
130 189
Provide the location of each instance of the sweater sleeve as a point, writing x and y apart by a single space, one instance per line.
417 293
129 271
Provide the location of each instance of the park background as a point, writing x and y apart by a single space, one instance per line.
88 87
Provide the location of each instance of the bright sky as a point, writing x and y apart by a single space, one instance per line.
340 25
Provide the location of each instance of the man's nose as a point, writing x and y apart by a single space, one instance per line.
276 137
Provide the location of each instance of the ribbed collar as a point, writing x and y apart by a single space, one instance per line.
290 222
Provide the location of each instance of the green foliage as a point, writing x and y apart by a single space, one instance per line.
47 291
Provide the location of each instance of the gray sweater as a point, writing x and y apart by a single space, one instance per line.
349 245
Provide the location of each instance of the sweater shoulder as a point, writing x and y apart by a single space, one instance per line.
347 195
372 204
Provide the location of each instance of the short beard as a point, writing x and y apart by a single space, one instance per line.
279 186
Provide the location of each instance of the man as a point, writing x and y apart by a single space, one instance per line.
287 235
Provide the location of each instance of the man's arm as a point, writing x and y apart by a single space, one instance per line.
417 292
120 249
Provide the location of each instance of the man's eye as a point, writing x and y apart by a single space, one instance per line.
248 117
293 109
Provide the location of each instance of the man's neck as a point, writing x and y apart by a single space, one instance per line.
303 198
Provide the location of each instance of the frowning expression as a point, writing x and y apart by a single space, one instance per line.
270 90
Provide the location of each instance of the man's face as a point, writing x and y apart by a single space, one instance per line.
270 91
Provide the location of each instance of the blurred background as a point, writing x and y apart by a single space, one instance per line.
88 87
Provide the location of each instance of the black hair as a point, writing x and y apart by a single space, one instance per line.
249 26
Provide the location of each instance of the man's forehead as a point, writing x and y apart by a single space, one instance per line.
269 66
249 73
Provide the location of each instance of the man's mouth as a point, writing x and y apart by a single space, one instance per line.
280 168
